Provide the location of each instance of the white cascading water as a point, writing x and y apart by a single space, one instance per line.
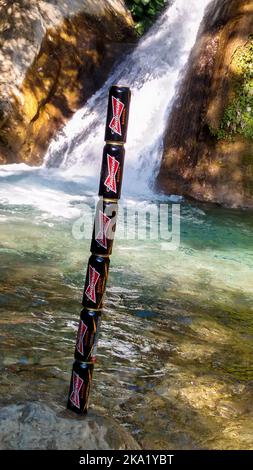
152 72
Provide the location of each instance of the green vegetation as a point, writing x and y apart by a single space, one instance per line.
144 12
238 116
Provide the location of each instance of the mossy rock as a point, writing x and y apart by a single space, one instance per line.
238 115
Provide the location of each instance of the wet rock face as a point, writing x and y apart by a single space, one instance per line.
195 162
36 426
53 56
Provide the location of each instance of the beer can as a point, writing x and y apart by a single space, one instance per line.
112 171
95 282
87 336
104 227
117 114
80 387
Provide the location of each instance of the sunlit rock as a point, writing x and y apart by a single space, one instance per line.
53 56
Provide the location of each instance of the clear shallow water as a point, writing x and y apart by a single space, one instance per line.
175 353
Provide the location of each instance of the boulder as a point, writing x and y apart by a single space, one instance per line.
33 426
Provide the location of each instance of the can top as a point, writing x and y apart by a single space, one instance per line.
121 87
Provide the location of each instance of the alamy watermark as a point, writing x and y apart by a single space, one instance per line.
131 221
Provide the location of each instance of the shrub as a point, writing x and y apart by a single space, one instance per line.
144 12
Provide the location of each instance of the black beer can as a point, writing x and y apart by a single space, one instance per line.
117 114
87 336
80 386
112 171
104 227
95 282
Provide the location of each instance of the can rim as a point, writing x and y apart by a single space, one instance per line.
111 142
121 85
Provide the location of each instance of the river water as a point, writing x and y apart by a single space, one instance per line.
175 352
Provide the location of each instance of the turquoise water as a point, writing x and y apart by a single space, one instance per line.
175 353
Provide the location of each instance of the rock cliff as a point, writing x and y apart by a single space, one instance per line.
208 147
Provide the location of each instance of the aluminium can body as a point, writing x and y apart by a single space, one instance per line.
87 336
80 387
117 114
104 227
95 282
112 171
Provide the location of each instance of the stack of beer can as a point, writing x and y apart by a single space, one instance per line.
101 247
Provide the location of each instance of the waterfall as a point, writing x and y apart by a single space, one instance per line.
152 71
70 173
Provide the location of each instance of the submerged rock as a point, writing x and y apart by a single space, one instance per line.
36 426
206 155
53 56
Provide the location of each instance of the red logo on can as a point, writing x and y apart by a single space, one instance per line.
80 337
93 279
77 385
117 109
113 166
104 223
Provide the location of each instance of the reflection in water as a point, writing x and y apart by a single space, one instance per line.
174 359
